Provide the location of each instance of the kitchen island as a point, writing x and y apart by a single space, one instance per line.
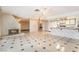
69 32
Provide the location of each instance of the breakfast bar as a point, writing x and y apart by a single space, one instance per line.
70 32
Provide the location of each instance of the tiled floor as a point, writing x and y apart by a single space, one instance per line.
38 42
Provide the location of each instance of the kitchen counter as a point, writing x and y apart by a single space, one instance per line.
70 28
69 32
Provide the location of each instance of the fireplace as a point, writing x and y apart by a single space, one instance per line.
13 31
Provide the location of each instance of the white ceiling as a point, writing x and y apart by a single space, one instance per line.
28 11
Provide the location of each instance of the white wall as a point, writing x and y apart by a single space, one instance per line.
33 25
9 22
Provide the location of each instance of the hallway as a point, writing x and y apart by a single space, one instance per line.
38 42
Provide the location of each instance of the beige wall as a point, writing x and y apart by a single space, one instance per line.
0 24
33 25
